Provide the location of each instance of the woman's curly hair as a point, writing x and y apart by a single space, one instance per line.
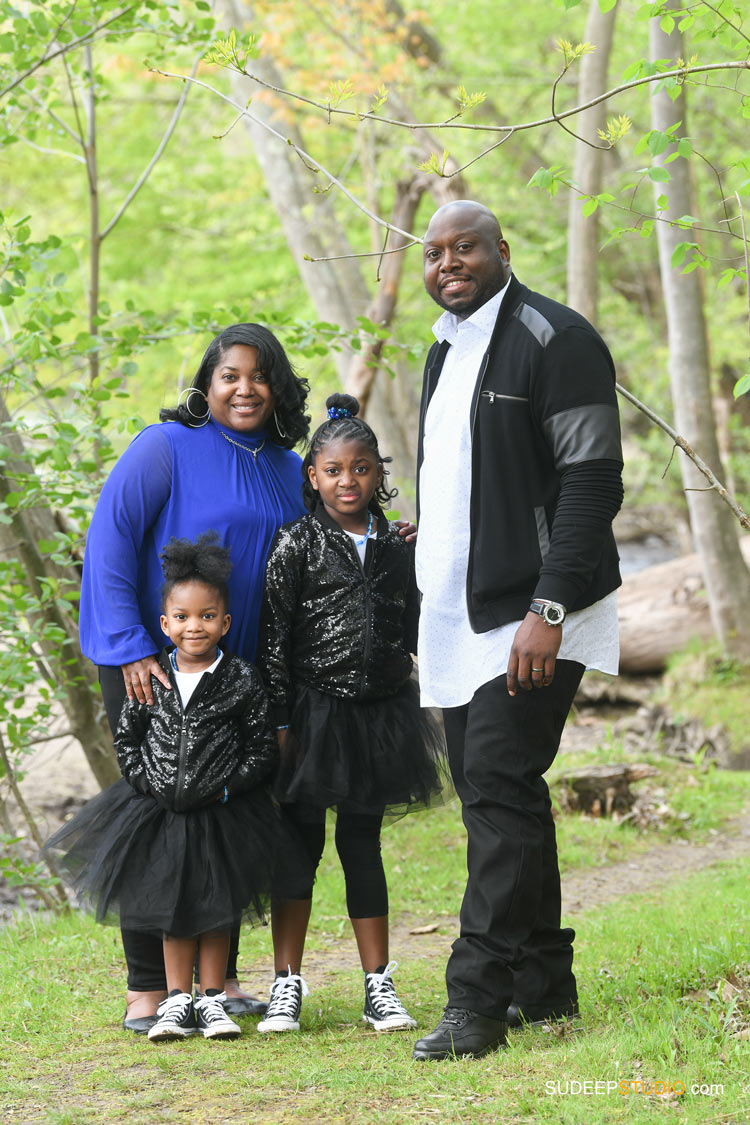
342 424
204 560
289 390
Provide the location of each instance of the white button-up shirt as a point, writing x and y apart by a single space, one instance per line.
454 660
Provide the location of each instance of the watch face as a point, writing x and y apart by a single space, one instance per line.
554 614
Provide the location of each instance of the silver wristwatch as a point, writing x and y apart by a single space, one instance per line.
550 612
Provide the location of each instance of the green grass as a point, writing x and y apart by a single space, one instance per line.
703 684
648 970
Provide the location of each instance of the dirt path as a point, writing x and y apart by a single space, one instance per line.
582 890
58 781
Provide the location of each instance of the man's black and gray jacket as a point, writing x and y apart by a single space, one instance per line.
546 462
186 756
332 623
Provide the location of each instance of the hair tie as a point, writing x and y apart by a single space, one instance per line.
339 412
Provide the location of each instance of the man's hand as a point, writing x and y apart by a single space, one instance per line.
532 657
408 530
137 676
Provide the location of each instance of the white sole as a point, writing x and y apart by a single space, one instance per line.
272 1025
386 1025
164 1035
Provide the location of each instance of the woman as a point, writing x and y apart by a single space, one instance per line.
224 460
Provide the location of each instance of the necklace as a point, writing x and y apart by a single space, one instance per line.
239 444
366 535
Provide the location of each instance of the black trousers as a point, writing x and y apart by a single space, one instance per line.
511 945
144 952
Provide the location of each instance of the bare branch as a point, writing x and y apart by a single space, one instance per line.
556 118
51 151
154 159
747 255
10 776
688 450
51 113
307 159
47 57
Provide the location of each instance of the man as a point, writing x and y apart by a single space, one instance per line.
519 479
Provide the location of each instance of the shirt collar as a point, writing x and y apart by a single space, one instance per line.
211 668
447 326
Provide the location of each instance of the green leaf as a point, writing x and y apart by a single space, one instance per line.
742 386
657 142
590 206
658 174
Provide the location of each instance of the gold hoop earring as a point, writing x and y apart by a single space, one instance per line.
206 416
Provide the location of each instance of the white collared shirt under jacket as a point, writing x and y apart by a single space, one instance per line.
454 661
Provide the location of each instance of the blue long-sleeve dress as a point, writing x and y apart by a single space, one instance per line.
173 480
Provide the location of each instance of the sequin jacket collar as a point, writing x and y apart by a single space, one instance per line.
332 623
184 758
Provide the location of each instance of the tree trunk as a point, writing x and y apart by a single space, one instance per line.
583 232
338 289
725 574
71 674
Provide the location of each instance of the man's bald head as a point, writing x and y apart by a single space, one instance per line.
466 258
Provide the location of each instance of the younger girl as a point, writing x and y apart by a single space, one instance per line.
337 628
183 844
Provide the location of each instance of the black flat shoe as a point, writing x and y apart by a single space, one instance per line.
461 1032
536 1015
244 1006
141 1025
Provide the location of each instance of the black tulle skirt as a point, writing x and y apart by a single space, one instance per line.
139 865
384 755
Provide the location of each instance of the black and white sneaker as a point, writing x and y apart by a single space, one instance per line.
213 1022
383 1009
285 1004
176 1018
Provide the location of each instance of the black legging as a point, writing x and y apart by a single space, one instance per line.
144 952
358 845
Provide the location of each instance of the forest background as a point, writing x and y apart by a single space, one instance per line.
170 168
154 189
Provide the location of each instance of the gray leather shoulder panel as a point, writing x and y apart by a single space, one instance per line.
584 433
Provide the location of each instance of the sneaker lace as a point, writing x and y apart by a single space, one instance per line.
174 1007
383 993
455 1016
212 1007
283 1000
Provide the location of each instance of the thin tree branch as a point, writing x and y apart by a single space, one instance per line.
688 450
48 57
51 151
747 255
51 113
306 158
155 158
10 776
328 109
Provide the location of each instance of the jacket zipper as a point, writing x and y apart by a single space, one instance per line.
492 395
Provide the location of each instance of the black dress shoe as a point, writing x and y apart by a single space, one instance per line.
461 1032
244 1006
141 1025
536 1015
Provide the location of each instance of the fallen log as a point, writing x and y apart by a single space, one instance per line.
661 609
601 790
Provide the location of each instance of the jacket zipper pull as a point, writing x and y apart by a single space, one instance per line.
491 395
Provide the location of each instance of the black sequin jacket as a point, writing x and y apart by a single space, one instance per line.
331 623
184 758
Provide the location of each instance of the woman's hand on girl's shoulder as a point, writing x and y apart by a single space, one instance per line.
137 676
407 530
